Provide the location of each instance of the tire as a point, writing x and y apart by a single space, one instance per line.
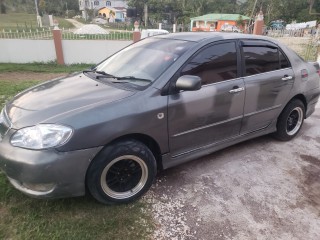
121 172
290 120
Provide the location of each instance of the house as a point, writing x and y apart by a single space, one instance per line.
217 22
116 14
98 4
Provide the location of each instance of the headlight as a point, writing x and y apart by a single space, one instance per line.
41 136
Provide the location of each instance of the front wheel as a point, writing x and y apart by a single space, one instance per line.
290 120
121 173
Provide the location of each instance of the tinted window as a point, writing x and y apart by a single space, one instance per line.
214 64
260 59
284 63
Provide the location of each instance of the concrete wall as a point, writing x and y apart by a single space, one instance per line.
90 51
26 51
74 51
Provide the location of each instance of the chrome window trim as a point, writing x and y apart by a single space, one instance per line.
268 72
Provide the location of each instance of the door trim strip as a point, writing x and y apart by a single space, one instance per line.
207 126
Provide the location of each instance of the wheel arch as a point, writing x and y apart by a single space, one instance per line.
146 140
303 99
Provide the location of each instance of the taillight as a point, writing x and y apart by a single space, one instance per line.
318 72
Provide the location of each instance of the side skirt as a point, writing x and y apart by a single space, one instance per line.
169 161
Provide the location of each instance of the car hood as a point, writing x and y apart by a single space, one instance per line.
43 102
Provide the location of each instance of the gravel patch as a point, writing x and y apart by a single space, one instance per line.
91 29
258 189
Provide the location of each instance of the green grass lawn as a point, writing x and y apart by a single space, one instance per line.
17 20
8 89
22 217
42 67
25 21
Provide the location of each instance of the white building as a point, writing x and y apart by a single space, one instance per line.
97 4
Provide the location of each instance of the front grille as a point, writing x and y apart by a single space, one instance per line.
5 124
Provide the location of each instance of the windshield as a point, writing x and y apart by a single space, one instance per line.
145 60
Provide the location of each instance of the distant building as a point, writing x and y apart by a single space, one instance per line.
98 4
117 14
218 22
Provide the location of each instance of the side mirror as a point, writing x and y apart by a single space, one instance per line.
188 83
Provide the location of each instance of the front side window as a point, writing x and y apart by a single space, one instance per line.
146 59
214 64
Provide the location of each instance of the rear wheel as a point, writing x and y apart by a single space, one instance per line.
290 120
121 173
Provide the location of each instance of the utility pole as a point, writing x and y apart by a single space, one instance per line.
39 22
67 9
145 15
252 12
37 10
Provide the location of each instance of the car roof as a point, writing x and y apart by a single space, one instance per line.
200 36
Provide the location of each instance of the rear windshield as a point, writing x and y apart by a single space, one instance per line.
147 59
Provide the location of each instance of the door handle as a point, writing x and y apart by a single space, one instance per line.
286 78
236 90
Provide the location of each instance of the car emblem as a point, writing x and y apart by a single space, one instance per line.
160 115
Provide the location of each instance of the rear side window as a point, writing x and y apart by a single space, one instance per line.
284 63
214 64
261 59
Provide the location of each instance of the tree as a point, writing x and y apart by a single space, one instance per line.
42 6
240 22
182 10
3 8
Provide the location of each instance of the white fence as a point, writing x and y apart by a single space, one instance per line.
75 51
93 51
26 51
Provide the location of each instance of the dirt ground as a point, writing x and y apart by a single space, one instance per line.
259 189
25 76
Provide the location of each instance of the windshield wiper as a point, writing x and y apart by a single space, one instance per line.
103 74
117 79
134 78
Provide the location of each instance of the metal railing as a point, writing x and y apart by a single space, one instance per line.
112 35
67 34
27 34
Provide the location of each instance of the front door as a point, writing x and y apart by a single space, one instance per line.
214 113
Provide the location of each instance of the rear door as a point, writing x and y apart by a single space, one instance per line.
268 78
213 113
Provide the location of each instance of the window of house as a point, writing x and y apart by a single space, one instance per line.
108 3
96 3
214 64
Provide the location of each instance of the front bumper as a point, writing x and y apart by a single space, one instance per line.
59 174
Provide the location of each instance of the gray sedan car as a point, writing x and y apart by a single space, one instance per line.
157 103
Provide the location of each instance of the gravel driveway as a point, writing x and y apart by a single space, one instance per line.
259 189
